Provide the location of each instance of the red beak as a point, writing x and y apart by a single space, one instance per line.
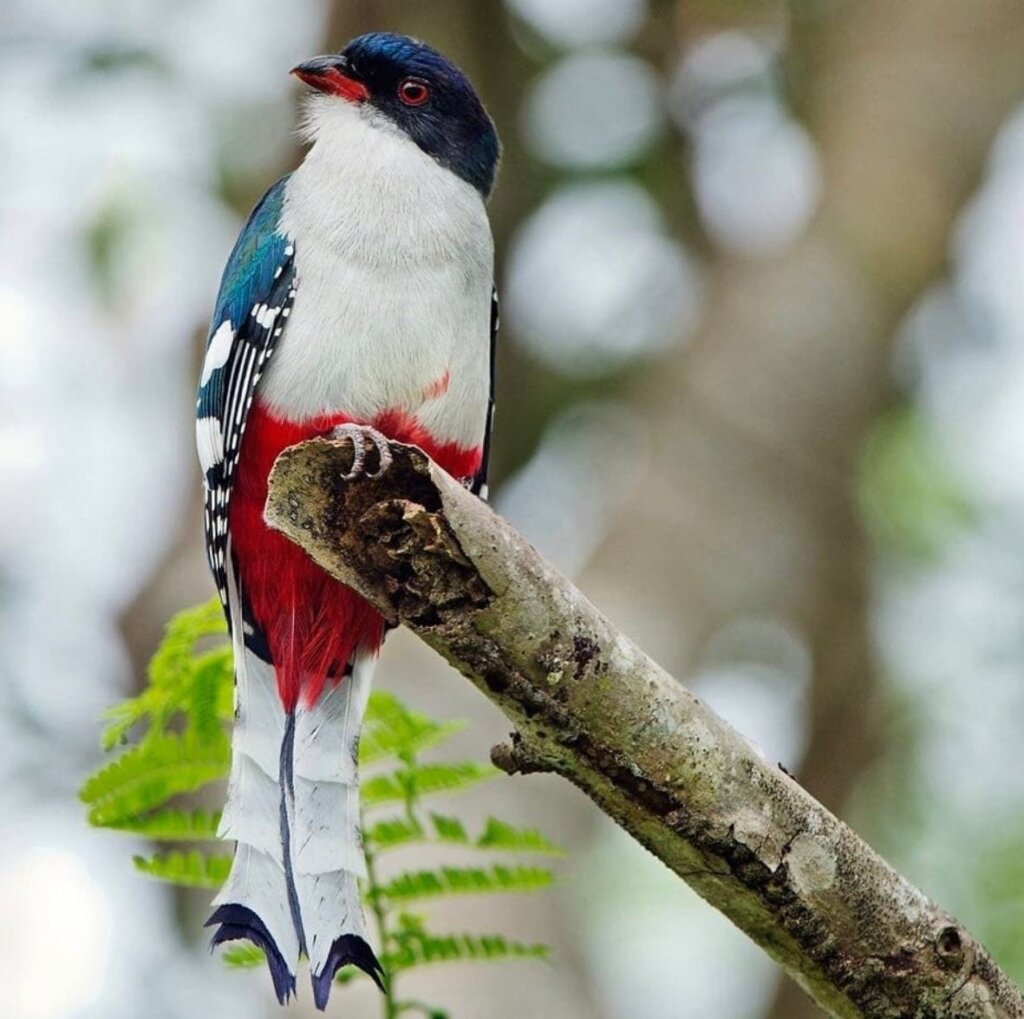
334 76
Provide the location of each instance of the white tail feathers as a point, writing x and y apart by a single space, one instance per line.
293 809
328 858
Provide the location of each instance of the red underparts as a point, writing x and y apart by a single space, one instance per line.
313 624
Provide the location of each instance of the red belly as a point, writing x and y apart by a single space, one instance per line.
312 623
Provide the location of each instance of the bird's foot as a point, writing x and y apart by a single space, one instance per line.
359 436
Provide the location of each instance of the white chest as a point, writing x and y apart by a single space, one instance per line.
394 262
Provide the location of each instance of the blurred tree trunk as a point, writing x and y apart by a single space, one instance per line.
756 427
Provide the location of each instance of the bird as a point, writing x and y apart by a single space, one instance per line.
358 304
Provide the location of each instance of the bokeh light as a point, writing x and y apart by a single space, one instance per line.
583 22
48 897
593 110
560 500
756 172
594 280
756 176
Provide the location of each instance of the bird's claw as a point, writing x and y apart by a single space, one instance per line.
357 435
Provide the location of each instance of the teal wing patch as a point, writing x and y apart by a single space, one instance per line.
256 296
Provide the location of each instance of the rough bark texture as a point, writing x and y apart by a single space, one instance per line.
591 706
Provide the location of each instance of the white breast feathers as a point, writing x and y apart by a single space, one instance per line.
394 261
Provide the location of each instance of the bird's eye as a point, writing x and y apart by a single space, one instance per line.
413 92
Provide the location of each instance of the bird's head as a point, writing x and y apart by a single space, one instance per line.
403 83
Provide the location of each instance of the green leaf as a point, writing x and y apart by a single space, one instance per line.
497 836
429 1011
393 833
120 719
179 680
415 946
182 680
423 780
426 884
212 678
183 632
390 729
504 837
172 825
148 775
449 829
244 956
187 870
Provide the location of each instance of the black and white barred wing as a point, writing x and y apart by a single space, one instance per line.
255 299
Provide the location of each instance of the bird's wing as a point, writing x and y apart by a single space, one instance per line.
480 480
256 295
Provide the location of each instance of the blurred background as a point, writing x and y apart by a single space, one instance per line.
761 394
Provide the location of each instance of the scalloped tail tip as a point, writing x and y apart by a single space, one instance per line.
240 923
349 949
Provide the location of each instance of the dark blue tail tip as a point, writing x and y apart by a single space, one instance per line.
238 923
348 950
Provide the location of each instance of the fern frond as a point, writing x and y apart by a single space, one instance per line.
393 833
415 946
181 635
504 837
390 729
427 884
188 870
120 719
449 829
426 948
171 825
210 692
423 780
427 1011
173 664
497 836
177 676
148 775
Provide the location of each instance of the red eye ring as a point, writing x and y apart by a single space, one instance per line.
414 91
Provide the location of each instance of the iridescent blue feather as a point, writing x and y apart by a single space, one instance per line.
255 299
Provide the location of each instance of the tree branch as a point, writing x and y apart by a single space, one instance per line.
591 706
